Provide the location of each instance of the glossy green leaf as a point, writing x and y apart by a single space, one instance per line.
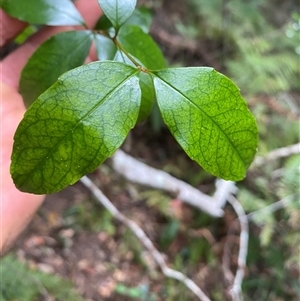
142 18
141 46
148 95
106 49
50 12
74 126
117 11
146 85
121 57
47 63
103 23
208 117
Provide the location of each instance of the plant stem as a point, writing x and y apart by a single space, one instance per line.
117 43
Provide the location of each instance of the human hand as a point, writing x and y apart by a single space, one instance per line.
16 207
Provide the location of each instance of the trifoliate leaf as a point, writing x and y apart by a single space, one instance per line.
49 12
208 117
117 11
74 126
47 64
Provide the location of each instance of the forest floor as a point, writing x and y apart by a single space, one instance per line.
74 237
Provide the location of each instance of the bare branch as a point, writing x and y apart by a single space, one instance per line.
275 206
140 234
223 190
278 153
236 291
143 174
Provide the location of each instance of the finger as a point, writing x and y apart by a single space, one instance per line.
9 27
13 64
16 207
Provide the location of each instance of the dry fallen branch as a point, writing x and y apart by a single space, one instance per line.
223 190
236 281
143 174
236 289
275 206
140 234
278 153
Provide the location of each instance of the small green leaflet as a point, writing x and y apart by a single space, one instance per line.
208 117
49 12
47 64
74 126
141 17
141 46
117 11
105 48
146 85
148 95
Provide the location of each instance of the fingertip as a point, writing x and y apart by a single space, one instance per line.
13 64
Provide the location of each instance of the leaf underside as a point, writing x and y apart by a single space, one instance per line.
105 48
74 126
208 117
117 11
141 17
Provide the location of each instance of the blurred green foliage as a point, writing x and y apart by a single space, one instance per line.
140 292
20 282
90 217
260 41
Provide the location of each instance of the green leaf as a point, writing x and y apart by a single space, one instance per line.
142 18
74 126
105 48
146 85
208 117
141 46
117 11
121 57
103 23
50 12
148 95
47 63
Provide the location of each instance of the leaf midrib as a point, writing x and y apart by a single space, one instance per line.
190 101
73 129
